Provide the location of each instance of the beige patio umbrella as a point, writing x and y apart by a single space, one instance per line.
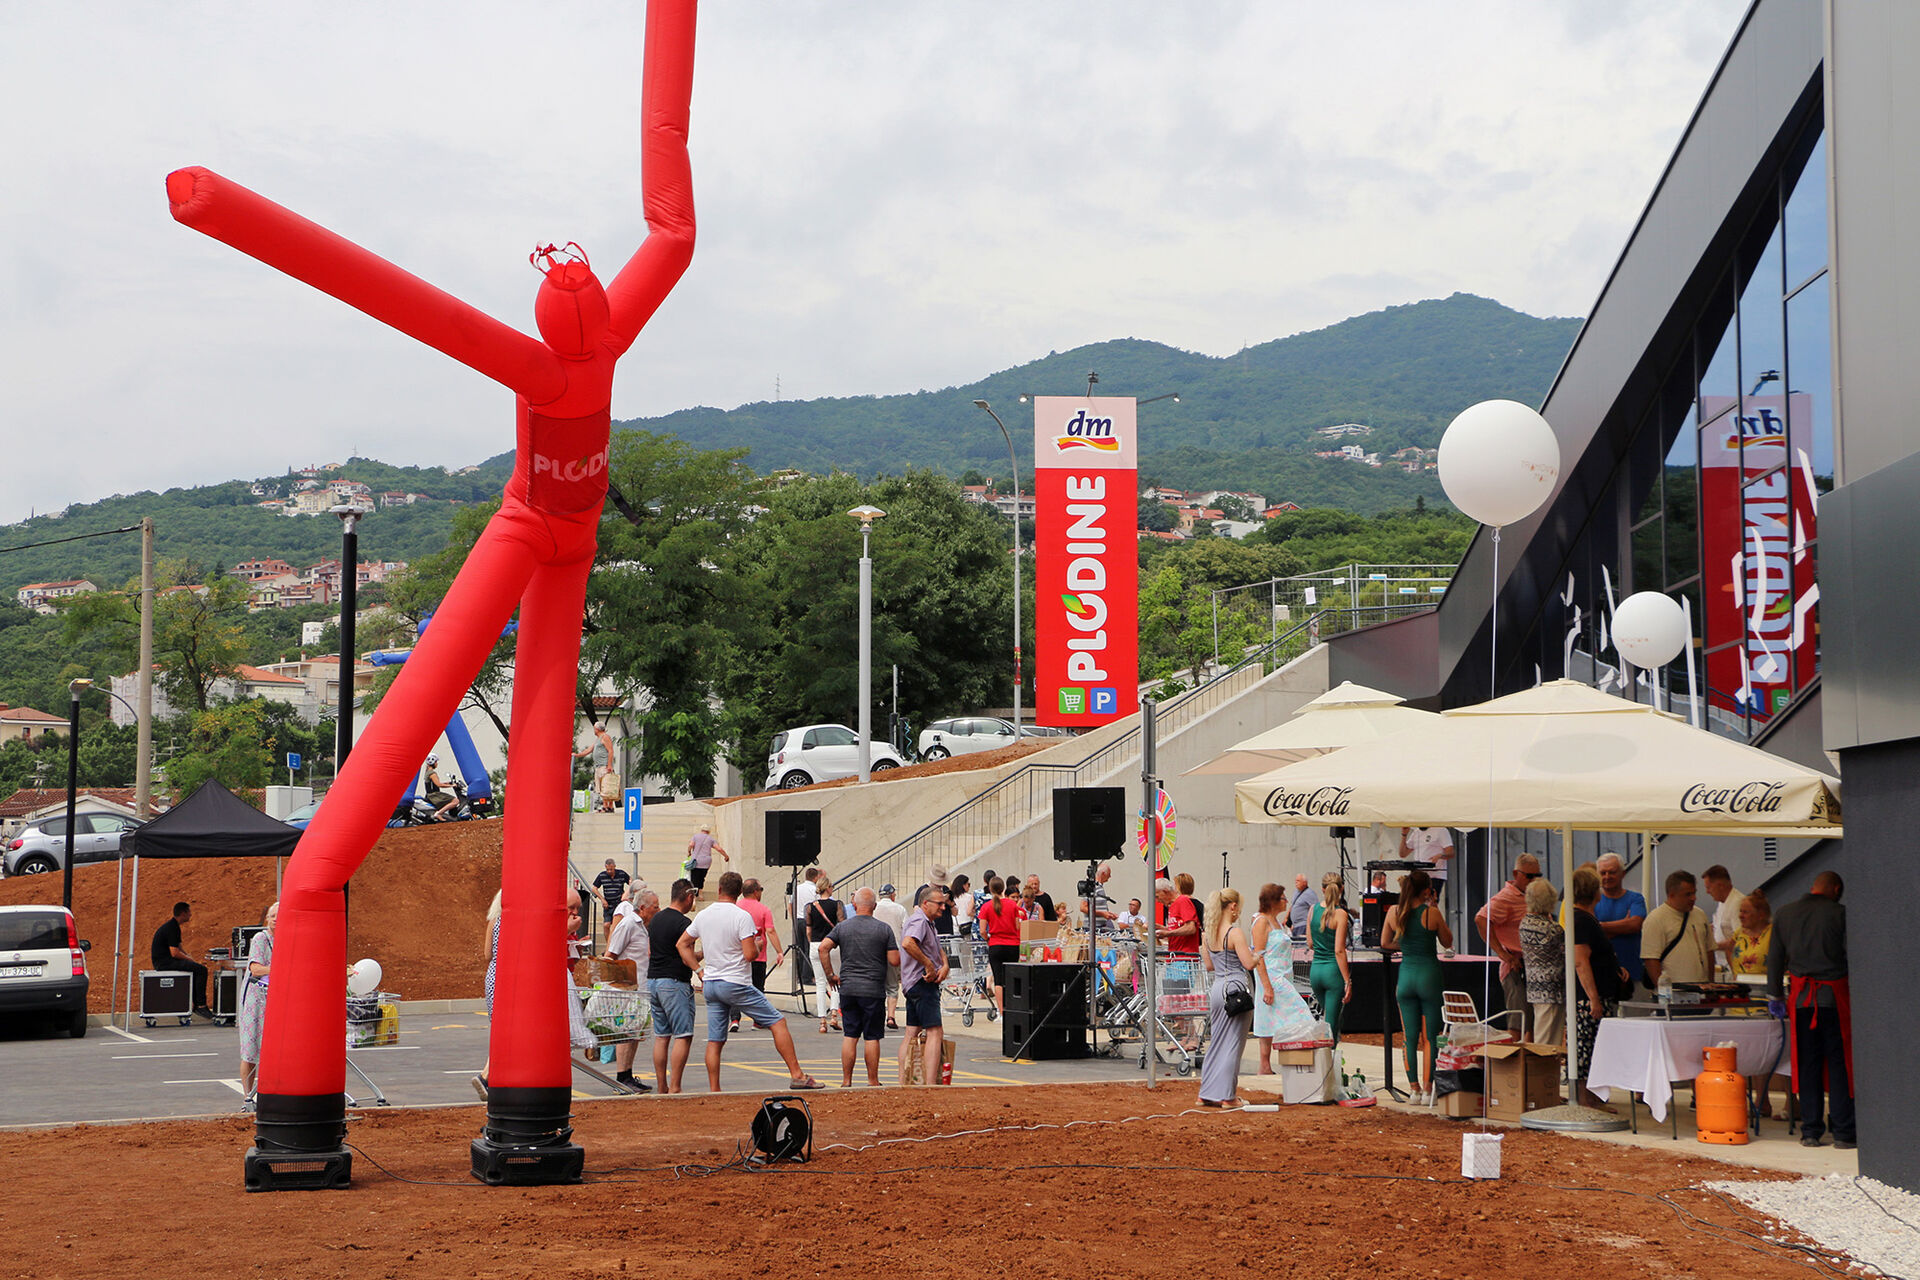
1562 755
1343 716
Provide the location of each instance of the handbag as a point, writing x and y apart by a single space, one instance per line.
1238 1000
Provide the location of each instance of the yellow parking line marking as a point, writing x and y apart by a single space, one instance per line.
975 1075
451 1026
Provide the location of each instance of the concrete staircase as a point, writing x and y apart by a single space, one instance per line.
665 830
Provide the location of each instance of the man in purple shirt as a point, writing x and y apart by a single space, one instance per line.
923 967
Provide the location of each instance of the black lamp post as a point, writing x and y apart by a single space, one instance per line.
73 781
349 598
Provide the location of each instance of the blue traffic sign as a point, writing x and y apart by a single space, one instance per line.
293 759
634 809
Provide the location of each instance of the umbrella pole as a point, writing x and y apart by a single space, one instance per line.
1573 972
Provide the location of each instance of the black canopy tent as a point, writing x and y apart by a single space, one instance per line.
211 823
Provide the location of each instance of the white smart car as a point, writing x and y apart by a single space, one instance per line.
821 753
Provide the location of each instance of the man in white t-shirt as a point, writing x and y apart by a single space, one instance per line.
1718 882
728 947
1433 846
891 913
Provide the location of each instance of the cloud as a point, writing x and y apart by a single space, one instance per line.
891 197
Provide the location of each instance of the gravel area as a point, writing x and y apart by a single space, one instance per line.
1872 1222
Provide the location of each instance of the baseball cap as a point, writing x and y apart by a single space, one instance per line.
886 891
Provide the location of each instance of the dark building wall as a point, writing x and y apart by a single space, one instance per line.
1883 883
1870 543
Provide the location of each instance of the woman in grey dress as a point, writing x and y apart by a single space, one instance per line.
1229 958
253 1002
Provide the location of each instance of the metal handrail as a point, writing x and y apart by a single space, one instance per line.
1025 796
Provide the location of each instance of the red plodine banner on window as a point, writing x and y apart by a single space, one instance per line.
1756 530
1086 566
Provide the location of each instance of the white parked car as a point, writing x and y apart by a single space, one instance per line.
43 966
821 753
962 734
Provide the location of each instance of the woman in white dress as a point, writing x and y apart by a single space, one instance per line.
1277 1003
253 1002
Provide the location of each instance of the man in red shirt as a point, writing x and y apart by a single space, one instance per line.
1176 923
1499 923
767 935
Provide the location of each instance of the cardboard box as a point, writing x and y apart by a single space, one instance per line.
1521 1078
1294 1057
1460 1105
1033 930
1311 1082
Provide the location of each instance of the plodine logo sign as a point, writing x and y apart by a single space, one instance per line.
1085 431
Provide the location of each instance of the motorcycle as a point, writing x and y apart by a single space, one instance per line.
418 811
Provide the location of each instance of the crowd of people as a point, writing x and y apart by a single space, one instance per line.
868 954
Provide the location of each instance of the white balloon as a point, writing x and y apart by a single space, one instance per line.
1649 629
1498 461
365 978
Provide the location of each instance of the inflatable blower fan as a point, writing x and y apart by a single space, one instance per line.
783 1130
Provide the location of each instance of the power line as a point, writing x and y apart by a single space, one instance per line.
51 542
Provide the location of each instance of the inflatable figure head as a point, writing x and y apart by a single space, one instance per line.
571 309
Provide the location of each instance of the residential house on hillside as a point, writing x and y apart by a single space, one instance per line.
31 803
1344 429
246 682
255 570
1280 508
39 596
24 724
321 677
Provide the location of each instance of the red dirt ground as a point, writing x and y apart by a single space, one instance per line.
1323 1192
418 902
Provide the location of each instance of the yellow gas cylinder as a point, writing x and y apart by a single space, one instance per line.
1720 1098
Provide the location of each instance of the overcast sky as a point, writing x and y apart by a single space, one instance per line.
891 196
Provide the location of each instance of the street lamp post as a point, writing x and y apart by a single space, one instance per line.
349 604
73 781
1014 463
866 515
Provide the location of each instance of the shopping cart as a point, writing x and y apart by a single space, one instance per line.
969 979
373 1022
1178 1030
615 1015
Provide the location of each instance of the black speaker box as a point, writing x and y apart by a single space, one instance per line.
793 837
1373 914
1022 1036
1037 988
1090 823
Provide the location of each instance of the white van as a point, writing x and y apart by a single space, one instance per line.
43 966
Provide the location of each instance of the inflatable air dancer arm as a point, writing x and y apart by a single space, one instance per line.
534 554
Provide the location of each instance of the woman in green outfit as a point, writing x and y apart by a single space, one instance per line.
1327 927
1416 926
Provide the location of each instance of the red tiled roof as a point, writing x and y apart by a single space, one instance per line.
254 675
28 799
17 714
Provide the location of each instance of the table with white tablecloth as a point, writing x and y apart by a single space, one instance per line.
1647 1055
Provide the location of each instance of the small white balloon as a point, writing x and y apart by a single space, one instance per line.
1498 461
1649 629
365 978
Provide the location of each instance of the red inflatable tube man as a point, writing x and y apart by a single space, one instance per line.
534 554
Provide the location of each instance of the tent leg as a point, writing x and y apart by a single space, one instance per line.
119 899
133 914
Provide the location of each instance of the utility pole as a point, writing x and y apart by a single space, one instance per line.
143 740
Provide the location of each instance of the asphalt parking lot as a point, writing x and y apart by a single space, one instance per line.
169 1071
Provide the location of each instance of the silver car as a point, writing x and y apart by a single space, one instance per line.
42 845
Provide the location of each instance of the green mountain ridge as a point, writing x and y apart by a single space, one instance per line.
1244 422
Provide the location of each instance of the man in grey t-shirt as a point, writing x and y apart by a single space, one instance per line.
868 952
